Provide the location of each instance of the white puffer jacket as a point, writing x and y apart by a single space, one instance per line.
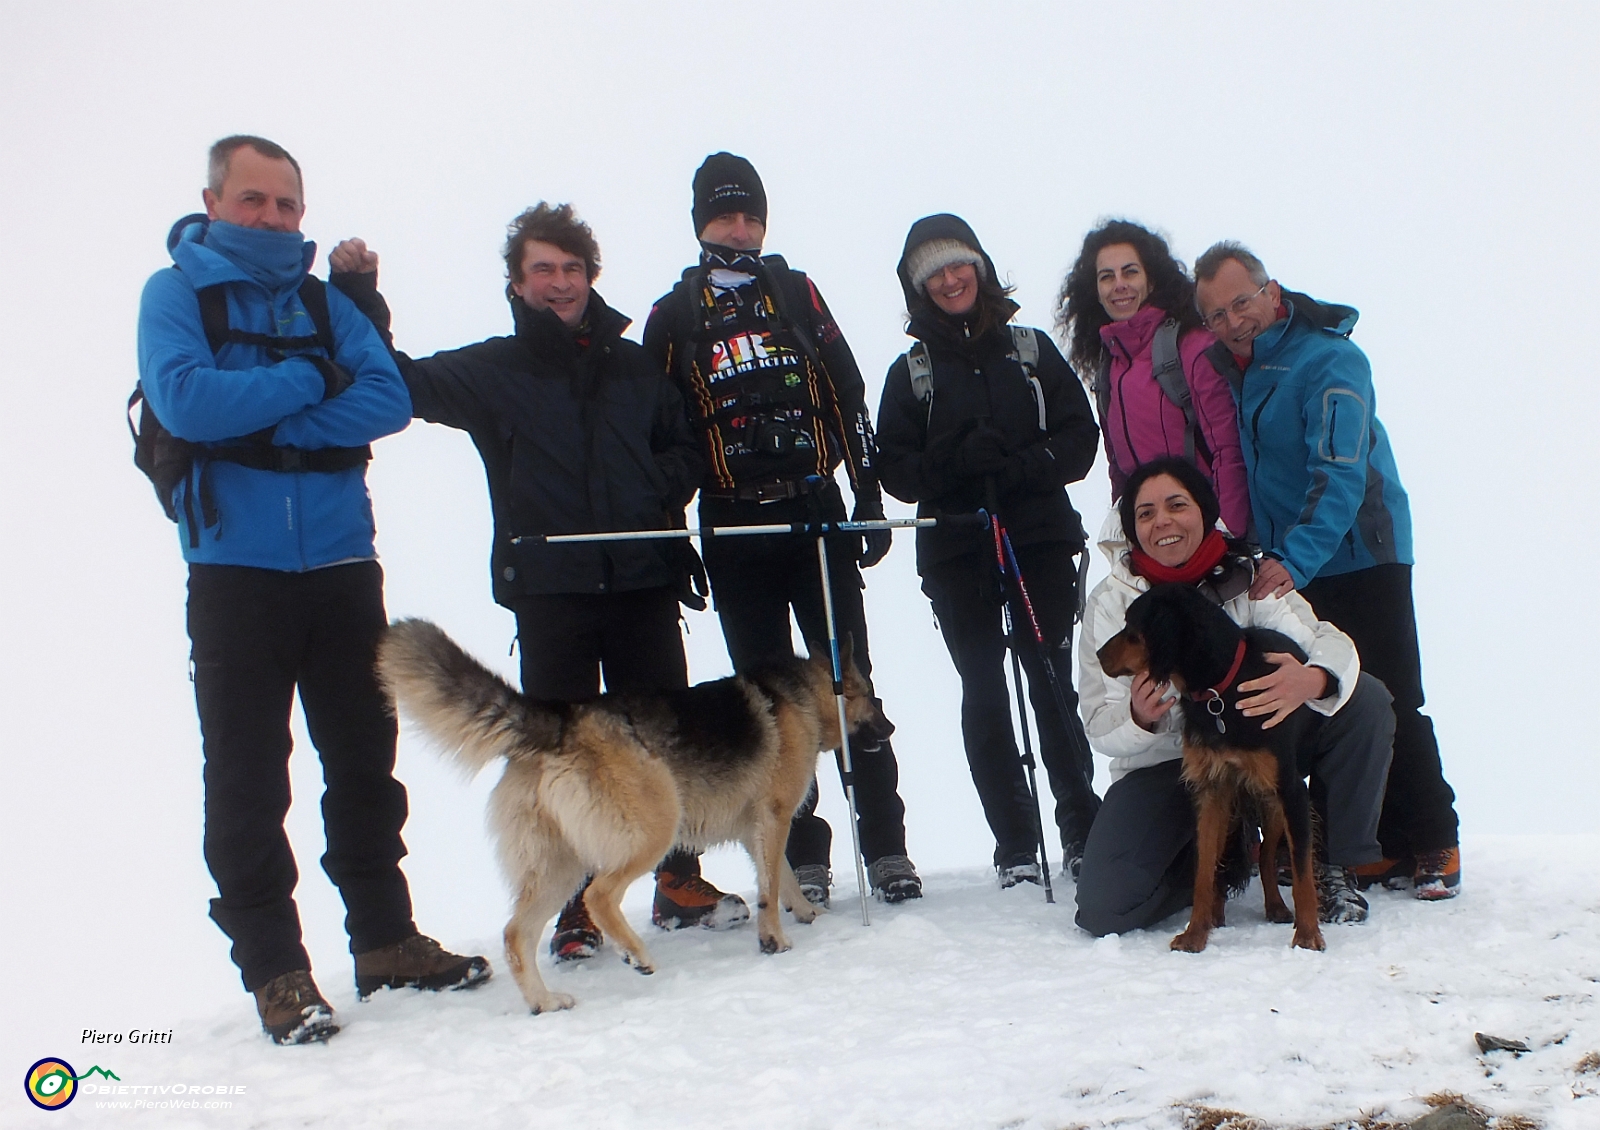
1104 700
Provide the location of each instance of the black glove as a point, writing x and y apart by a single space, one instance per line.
335 377
876 543
983 452
693 588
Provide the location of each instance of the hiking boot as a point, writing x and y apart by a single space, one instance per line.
1438 874
1392 874
894 878
417 962
292 1011
1021 871
688 900
815 880
576 936
1338 901
1071 861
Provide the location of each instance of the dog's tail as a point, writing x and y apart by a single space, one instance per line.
471 712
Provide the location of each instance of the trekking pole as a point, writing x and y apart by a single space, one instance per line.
1014 571
771 529
1022 715
820 529
847 774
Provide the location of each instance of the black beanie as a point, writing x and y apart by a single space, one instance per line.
725 183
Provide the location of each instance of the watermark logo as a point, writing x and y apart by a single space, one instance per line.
52 1084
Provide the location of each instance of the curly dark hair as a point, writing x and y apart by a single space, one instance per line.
1079 315
559 226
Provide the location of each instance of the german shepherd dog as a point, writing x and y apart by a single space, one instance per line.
606 788
1178 636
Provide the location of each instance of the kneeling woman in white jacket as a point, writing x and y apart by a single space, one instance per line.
1138 866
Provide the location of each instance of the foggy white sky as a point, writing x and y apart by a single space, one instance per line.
1431 164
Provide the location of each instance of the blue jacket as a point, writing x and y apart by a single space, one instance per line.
291 521
1324 489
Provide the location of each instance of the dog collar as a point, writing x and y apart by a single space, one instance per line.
1215 693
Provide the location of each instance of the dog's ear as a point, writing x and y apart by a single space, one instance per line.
847 650
1166 631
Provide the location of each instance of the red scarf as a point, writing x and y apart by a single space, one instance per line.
1212 549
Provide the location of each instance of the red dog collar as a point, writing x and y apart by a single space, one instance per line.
1227 680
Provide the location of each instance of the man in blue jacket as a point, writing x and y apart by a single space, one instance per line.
1329 509
273 388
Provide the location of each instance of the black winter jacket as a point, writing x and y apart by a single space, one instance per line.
976 379
573 441
790 322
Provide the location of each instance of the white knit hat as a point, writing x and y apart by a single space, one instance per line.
934 256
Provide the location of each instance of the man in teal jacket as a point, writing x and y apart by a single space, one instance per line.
1329 509
272 403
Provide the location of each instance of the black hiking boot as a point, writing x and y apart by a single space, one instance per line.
815 881
1338 900
576 936
893 879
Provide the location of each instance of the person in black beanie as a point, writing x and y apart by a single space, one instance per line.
779 404
993 429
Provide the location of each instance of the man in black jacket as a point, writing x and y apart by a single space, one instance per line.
779 403
580 432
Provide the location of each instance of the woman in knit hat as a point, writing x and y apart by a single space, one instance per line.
996 420
1120 293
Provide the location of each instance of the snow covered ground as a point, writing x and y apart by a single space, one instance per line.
974 1007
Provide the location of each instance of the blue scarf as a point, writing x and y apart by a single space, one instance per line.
278 260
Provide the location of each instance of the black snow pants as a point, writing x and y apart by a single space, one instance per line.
755 581
967 601
568 641
258 636
1374 608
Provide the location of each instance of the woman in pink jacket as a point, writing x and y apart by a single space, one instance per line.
1117 296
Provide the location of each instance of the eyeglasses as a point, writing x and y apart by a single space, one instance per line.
1218 319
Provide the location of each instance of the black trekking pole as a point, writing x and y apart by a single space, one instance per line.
1016 678
1011 569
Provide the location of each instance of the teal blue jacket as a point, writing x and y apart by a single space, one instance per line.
1324 489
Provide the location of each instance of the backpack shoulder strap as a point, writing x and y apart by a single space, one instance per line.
1025 343
920 366
1102 389
1025 348
314 297
214 315
1167 367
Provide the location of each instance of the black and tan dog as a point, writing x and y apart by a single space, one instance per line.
606 788
1177 635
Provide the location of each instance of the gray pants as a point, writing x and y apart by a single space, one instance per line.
1138 866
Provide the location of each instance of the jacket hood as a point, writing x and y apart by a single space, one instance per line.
941 226
1114 544
1323 315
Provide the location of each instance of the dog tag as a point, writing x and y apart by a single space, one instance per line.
1215 707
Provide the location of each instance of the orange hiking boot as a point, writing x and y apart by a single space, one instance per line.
1391 873
1438 874
688 900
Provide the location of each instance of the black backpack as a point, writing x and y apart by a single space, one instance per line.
167 460
1167 368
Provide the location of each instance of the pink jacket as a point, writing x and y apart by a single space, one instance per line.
1142 424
